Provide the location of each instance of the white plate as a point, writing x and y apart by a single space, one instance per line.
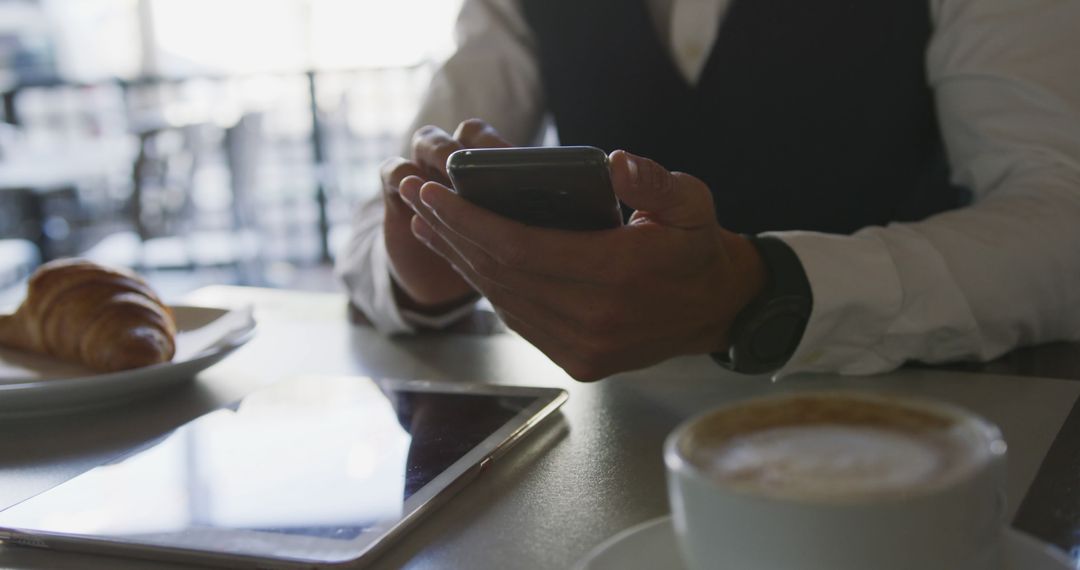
32 385
651 545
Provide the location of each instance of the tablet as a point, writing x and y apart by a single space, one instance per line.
314 472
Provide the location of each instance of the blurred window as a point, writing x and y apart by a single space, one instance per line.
95 39
212 132
377 33
247 36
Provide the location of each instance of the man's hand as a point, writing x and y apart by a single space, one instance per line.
668 283
425 278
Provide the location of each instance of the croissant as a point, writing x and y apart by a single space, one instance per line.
105 319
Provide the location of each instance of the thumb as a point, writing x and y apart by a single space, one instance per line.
670 198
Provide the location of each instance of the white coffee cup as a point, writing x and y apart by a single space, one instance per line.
838 481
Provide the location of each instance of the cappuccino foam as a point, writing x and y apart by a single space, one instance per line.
830 460
832 447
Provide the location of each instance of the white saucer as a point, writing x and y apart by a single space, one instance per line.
651 545
34 385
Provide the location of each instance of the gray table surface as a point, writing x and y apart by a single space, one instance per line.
593 471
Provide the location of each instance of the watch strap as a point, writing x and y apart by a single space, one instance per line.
767 331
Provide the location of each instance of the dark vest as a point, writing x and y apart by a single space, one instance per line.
811 115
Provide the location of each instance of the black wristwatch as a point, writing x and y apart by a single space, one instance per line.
767 331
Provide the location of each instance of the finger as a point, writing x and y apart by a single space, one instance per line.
479 266
570 255
476 133
393 171
431 146
586 347
575 306
409 191
528 321
670 198
496 292
506 298
423 232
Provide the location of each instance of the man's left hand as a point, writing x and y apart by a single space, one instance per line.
668 283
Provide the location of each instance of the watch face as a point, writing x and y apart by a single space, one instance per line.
770 335
768 330
778 335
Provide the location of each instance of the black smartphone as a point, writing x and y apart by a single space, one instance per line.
567 187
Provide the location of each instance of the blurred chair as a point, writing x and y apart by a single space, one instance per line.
170 228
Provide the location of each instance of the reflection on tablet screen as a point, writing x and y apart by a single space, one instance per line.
330 459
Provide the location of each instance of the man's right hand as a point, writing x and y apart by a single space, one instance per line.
425 281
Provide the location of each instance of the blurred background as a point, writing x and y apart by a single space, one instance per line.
202 141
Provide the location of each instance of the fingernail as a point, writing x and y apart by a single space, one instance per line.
427 192
407 190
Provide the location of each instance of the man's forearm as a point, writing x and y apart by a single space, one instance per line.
969 284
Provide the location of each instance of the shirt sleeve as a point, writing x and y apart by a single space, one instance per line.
975 282
493 75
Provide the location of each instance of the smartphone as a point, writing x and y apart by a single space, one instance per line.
566 187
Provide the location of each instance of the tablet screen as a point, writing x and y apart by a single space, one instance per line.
316 469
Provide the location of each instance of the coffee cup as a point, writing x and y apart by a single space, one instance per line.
838 481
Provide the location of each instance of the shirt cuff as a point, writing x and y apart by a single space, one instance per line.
414 318
384 313
857 295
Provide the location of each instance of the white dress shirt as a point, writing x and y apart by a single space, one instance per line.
970 283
